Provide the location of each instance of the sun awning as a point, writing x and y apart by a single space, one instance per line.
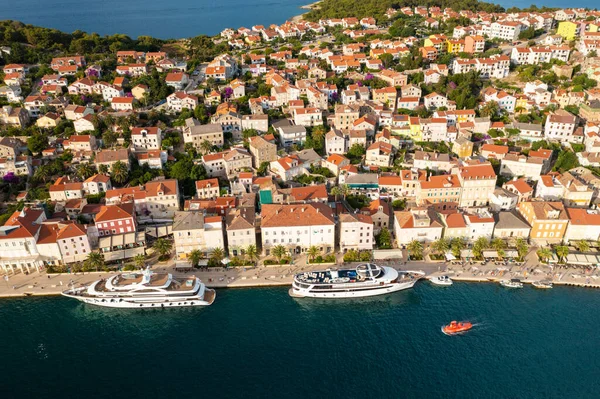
105 242
129 238
449 256
466 253
183 264
490 254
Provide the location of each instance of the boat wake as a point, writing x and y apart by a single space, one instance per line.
473 325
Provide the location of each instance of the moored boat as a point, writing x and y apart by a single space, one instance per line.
542 284
365 280
457 327
144 290
444 281
512 283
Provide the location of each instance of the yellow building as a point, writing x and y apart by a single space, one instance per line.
455 46
462 147
567 29
522 102
415 129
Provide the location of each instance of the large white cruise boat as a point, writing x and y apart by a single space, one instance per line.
365 280
144 290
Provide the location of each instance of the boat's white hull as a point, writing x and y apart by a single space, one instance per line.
139 303
511 286
352 293
440 283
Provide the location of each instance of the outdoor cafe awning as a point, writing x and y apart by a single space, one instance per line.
466 253
490 254
129 238
449 256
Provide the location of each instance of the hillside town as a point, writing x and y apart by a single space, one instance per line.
432 135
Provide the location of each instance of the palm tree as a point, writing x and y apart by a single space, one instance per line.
42 173
562 251
457 245
340 190
217 254
498 244
544 254
119 172
583 246
415 249
163 247
480 244
522 248
139 260
313 252
252 253
195 256
85 170
279 252
95 260
441 246
205 147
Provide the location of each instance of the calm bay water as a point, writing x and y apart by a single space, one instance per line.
157 18
178 18
261 343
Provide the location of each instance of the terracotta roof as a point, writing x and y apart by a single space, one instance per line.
200 184
485 171
71 230
115 212
313 214
520 185
583 217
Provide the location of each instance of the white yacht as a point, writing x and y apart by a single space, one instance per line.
144 290
365 280
444 281
543 284
512 283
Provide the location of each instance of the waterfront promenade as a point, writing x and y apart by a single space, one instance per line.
36 284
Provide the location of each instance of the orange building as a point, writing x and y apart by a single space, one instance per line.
548 220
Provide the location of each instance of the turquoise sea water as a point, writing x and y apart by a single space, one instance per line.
157 18
177 18
260 343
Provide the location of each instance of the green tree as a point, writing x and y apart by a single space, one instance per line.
498 244
562 251
95 260
544 254
279 252
457 245
139 260
252 253
119 173
194 256
355 153
37 143
313 252
218 254
479 246
583 246
163 247
441 246
85 170
263 168
384 239
415 249
340 190
522 248
205 147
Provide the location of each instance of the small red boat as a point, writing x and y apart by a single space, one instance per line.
457 327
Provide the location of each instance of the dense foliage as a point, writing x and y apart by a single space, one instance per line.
377 8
